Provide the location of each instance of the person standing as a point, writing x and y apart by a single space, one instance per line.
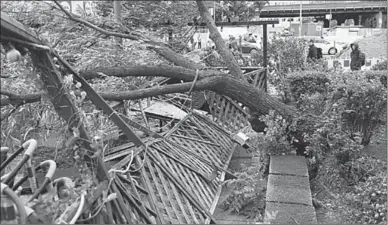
357 58
199 42
313 51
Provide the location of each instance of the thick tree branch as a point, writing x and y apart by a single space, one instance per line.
204 84
15 99
227 56
236 89
175 72
177 58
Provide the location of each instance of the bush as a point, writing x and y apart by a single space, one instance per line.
307 82
362 102
290 53
380 66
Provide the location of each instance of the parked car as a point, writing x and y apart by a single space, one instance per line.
328 47
246 47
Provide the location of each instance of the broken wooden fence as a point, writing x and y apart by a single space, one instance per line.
180 175
228 113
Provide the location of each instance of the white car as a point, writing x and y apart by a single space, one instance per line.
328 47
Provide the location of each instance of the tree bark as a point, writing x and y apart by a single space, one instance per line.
258 101
226 55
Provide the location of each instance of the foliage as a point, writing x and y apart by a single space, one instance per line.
350 108
380 66
248 190
362 101
289 53
368 199
363 202
245 10
307 82
287 56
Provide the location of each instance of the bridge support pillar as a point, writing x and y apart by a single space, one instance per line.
359 20
379 18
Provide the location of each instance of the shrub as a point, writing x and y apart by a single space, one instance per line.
307 82
362 103
290 53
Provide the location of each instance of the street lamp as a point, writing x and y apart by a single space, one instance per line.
300 19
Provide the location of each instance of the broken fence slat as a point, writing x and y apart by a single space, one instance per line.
155 181
152 197
137 204
164 184
193 139
219 189
183 190
185 164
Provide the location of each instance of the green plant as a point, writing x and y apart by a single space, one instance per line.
307 82
362 104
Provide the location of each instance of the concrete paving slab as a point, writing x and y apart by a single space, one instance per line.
290 214
288 195
289 164
288 181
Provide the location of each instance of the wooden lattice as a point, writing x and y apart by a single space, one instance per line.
228 113
181 174
257 78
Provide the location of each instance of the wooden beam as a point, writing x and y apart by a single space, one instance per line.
238 23
265 54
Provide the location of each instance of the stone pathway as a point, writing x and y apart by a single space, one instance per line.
288 198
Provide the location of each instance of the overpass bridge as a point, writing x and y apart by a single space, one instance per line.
319 9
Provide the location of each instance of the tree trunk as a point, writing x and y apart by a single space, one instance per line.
227 56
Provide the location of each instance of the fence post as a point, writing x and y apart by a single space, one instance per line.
265 55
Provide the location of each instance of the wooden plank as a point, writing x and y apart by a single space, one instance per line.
203 129
205 188
183 189
154 178
197 186
178 199
257 75
217 107
185 164
140 209
194 139
227 114
177 125
164 184
152 197
219 189
136 197
222 110
238 23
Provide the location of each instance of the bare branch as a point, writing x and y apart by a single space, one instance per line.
94 27
227 56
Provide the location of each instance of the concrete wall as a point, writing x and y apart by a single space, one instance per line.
345 63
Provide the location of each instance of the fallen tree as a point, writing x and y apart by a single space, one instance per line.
230 85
